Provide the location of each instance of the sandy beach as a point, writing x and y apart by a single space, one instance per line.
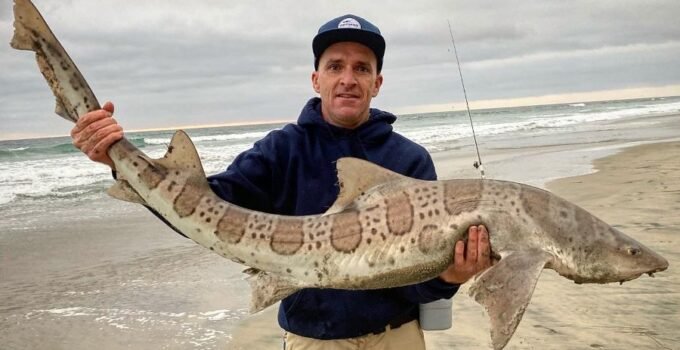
638 191
106 274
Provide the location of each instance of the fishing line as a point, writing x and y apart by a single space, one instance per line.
478 163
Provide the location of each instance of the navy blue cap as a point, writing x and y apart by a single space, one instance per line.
349 28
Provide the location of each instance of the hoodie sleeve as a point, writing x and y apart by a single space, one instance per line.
248 179
423 169
428 291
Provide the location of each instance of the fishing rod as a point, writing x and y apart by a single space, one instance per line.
478 164
436 315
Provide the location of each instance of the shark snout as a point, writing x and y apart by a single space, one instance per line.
633 260
646 260
662 264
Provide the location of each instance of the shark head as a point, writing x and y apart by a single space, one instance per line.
615 257
586 249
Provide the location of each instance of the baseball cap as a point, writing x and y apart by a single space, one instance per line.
349 28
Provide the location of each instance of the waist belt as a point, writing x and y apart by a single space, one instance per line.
396 323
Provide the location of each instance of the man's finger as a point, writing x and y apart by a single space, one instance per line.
94 132
108 106
459 255
99 151
91 117
473 237
103 146
84 124
86 120
484 247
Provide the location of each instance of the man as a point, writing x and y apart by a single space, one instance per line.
291 171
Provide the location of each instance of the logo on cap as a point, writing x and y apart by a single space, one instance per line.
350 23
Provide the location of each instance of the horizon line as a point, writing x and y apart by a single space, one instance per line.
668 91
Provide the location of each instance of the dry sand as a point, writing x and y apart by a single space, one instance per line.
637 191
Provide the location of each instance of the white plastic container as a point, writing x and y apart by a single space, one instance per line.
437 315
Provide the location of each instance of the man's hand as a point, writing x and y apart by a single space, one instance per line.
95 132
471 259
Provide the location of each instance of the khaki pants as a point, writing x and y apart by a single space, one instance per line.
408 336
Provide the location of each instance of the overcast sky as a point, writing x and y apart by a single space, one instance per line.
178 63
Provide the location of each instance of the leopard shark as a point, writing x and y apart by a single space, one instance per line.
384 230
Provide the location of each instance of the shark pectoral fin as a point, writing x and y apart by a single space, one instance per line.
182 155
267 289
505 291
355 176
123 191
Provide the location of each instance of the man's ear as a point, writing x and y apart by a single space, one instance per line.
377 85
315 81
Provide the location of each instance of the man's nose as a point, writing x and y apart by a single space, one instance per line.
347 77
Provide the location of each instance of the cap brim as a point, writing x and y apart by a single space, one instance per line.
373 41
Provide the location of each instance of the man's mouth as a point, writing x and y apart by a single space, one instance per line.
347 95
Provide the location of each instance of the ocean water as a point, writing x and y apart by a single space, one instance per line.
51 169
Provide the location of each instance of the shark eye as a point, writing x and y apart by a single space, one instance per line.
634 251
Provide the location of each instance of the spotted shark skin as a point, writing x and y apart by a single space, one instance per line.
384 230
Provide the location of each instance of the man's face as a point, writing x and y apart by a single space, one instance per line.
347 80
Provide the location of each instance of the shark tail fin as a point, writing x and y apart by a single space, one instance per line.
24 16
505 291
32 33
267 289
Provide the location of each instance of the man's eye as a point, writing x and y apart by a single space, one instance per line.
364 69
334 67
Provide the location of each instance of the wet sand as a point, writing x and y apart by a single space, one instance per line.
637 191
123 282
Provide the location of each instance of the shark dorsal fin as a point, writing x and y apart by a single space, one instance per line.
182 155
356 176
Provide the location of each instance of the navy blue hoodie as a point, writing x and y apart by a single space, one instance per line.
292 172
